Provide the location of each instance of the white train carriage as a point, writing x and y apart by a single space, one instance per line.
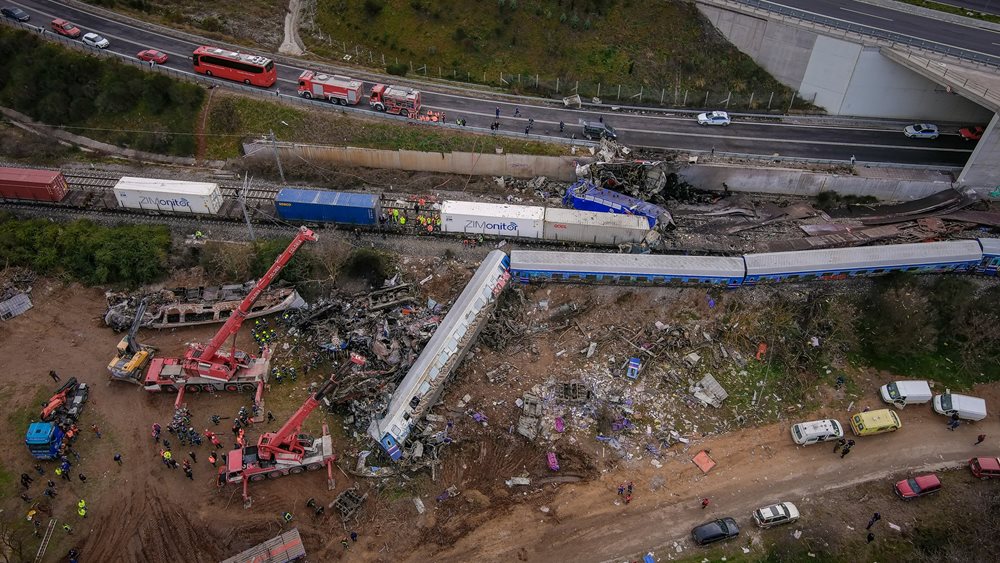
579 267
840 263
991 256
424 381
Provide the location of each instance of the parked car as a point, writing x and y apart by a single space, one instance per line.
776 514
95 40
158 57
965 406
714 118
972 132
15 13
985 467
63 27
921 131
902 393
805 433
716 530
918 486
594 130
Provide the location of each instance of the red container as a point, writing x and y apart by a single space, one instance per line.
38 185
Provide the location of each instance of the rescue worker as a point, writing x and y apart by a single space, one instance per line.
212 459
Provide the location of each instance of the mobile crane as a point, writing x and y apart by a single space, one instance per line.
131 357
283 452
207 367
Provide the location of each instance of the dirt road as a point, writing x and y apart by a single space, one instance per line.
755 467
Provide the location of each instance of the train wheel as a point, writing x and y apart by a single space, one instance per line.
257 477
274 474
232 388
192 388
296 470
314 466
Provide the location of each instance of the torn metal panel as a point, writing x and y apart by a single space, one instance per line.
14 306
709 391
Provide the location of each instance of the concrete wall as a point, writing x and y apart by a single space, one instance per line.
843 77
803 183
983 169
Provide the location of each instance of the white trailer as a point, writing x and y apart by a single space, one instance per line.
592 227
168 195
500 220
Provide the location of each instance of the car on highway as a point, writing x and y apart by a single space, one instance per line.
594 130
776 514
63 27
921 131
918 486
15 13
716 530
95 40
972 132
152 55
714 118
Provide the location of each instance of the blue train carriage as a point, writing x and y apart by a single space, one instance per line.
422 386
587 197
991 256
841 263
641 269
323 206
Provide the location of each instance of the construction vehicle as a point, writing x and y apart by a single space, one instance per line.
395 99
283 452
66 404
44 440
131 357
334 88
206 367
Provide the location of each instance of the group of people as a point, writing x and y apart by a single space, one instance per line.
625 490
262 334
844 446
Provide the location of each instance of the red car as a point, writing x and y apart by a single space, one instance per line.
158 57
918 486
63 27
985 467
972 133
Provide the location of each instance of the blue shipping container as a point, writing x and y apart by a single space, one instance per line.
327 207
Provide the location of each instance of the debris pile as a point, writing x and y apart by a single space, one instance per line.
15 288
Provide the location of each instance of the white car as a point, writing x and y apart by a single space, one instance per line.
95 40
775 514
921 131
714 118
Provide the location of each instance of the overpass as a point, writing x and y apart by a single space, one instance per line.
877 58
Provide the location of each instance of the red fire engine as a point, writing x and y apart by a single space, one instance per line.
208 367
335 88
395 99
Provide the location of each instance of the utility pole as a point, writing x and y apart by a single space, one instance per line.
243 204
274 145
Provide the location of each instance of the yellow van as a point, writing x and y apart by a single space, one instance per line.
875 422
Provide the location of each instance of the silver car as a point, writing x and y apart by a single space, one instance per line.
775 514
95 40
714 118
921 131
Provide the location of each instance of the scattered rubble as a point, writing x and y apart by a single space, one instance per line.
15 291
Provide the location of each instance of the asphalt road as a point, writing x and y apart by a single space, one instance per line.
986 6
677 130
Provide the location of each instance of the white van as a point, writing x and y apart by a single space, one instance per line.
805 433
902 393
966 407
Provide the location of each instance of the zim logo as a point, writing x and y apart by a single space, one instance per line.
487 226
163 202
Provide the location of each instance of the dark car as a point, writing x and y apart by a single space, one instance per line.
716 530
918 486
15 14
598 130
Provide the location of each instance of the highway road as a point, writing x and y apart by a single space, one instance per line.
985 6
816 138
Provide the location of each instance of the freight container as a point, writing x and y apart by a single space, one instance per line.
587 197
500 220
323 206
37 185
168 195
589 227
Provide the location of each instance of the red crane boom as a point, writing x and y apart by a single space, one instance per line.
207 361
285 445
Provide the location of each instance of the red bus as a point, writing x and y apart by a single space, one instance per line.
242 67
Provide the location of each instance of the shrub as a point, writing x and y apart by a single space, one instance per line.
372 8
398 69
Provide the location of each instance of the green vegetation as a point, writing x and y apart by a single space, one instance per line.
664 48
954 10
215 19
233 117
85 251
97 97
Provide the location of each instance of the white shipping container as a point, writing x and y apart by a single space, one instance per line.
492 219
592 227
168 195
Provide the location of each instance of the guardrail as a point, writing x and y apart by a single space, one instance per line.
830 23
772 159
960 80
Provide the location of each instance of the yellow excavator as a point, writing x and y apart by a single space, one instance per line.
131 358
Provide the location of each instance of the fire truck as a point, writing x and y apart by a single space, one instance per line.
283 452
336 89
395 99
207 367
